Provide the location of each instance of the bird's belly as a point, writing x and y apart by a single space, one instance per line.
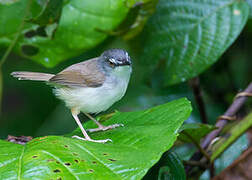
92 100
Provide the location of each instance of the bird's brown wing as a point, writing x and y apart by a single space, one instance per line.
84 74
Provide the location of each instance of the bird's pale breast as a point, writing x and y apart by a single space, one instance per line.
98 99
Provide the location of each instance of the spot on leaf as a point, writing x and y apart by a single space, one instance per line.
29 50
56 171
111 159
67 164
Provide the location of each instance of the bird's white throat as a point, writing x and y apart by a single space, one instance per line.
97 99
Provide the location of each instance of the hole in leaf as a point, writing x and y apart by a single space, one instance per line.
91 170
67 164
29 50
56 171
75 154
94 162
34 156
66 146
112 159
30 34
40 31
76 161
105 154
57 162
59 178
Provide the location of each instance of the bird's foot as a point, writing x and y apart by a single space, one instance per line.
92 140
104 128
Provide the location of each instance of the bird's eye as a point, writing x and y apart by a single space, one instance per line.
111 64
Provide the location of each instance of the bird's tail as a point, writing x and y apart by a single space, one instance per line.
34 76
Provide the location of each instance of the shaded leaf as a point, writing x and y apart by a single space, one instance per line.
169 167
191 35
174 169
195 130
45 12
136 147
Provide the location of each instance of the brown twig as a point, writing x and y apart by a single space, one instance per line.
231 111
195 84
212 170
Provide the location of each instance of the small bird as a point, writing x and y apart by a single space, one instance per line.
91 86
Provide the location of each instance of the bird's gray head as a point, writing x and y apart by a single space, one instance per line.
116 62
116 57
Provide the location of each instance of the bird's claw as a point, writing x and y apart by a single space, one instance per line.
105 128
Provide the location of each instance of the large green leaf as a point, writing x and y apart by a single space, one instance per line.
136 147
78 30
191 34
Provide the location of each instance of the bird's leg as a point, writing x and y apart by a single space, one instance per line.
100 126
86 136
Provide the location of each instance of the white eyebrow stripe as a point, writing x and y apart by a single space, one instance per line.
112 60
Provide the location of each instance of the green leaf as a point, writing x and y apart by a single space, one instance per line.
169 167
136 147
77 30
45 12
174 169
191 35
195 130
231 136
250 5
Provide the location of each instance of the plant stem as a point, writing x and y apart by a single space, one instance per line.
235 132
195 84
231 111
197 145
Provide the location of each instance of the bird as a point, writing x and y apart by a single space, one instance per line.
90 87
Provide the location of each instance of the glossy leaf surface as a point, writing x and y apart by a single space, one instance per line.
136 147
191 35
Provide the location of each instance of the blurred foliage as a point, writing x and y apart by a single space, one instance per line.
181 40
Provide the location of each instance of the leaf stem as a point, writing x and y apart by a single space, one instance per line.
197 145
195 84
